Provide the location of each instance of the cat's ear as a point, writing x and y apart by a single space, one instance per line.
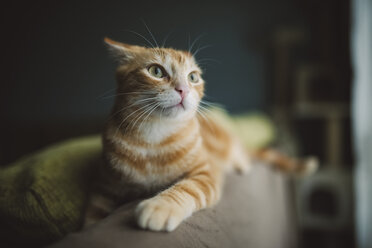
122 52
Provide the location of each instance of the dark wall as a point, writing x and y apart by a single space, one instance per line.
55 66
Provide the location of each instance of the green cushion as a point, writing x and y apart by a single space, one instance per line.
255 129
42 196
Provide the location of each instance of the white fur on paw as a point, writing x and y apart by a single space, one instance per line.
243 168
157 214
241 161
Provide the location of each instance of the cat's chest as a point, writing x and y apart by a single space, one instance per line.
158 131
149 174
157 164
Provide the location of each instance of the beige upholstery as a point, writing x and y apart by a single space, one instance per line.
255 211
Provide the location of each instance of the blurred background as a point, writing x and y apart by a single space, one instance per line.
289 59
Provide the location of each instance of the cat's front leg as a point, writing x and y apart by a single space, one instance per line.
165 211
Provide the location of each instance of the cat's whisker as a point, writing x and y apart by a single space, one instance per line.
207 62
209 59
211 104
148 115
199 110
136 111
138 92
194 42
128 127
131 105
105 93
203 65
153 38
138 117
206 96
202 110
122 122
165 39
140 35
133 119
206 107
121 94
144 100
201 49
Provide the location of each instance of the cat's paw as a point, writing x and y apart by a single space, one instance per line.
242 163
243 168
157 214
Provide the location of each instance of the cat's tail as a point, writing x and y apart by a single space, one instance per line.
302 167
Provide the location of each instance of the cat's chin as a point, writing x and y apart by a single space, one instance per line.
176 111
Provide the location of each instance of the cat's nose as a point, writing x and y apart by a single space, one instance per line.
182 89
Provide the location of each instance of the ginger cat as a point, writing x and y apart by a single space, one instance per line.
156 145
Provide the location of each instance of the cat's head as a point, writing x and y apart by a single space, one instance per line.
157 82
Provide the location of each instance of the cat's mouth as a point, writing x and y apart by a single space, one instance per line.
177 108
178 105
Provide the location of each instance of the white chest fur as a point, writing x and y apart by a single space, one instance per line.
152 174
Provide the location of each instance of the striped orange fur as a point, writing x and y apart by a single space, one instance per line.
156 145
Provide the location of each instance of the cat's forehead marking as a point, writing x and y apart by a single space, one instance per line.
175 61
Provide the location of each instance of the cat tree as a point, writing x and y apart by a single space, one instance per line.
301 97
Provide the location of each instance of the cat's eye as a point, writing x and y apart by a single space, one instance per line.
193 77
156 71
